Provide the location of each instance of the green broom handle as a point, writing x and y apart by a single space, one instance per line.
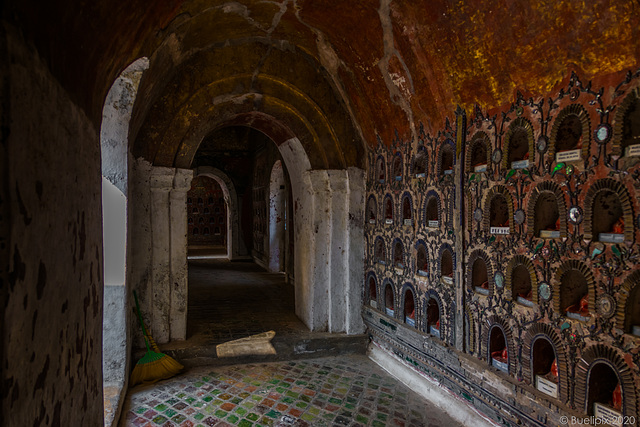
144 330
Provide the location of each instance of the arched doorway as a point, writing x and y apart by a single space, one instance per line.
207 218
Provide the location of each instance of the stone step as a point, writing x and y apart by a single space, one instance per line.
288 347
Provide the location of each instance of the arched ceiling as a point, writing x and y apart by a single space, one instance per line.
336 75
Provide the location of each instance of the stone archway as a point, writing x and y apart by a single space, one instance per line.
235 245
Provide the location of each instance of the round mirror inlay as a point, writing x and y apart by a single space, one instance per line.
477 214
602 134
498 279
496 156
542 144
519 216
606 306
544 291
575 214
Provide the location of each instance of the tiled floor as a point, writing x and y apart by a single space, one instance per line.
338 391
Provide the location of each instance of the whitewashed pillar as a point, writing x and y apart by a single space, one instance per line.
161 183
178 248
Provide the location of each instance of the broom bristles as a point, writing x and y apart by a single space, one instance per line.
154 367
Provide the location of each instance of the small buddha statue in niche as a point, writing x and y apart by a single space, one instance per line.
500 355
526 295
389 211
412 315
555 227
526 156
552 375
618 226
485 285
616 398
582 307
437 326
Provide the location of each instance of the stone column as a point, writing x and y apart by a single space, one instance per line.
178 253
161 183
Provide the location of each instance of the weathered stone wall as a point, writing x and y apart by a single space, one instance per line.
52 312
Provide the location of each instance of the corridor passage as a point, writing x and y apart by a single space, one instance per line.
334 391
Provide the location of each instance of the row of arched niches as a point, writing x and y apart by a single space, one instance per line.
545 202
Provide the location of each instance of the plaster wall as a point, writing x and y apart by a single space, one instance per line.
325 202
52 313
159 246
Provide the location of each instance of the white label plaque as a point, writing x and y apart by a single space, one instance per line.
500 365
373 303
611 237
422 273
568 156
388 221
448 172
481 290
433 223
520 164
448 280
372 221
499 230
549 234
410 321
435 332
608 415
420 175
633 150
389 312
547 387
480 168
408 221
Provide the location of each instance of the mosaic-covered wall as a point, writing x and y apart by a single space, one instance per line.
206 213
502 253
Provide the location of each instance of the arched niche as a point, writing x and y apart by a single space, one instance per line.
372 209
480 273
388 210
574 290
547 216
497 342
446 158
626 133
498 211
409 305
419 164
498 351
628 314
544 362
407 209
389 300
478 153
608 212
381 174
380 251
422 259
397 166
521 281
446 264
432 210
371 290
434 315
479 277
398 254
599 372
518 144
570 134
195 231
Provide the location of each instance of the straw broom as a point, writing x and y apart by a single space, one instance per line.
154 365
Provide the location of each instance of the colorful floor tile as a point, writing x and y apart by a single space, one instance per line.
344 391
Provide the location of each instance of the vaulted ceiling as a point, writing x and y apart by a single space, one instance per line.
335 74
